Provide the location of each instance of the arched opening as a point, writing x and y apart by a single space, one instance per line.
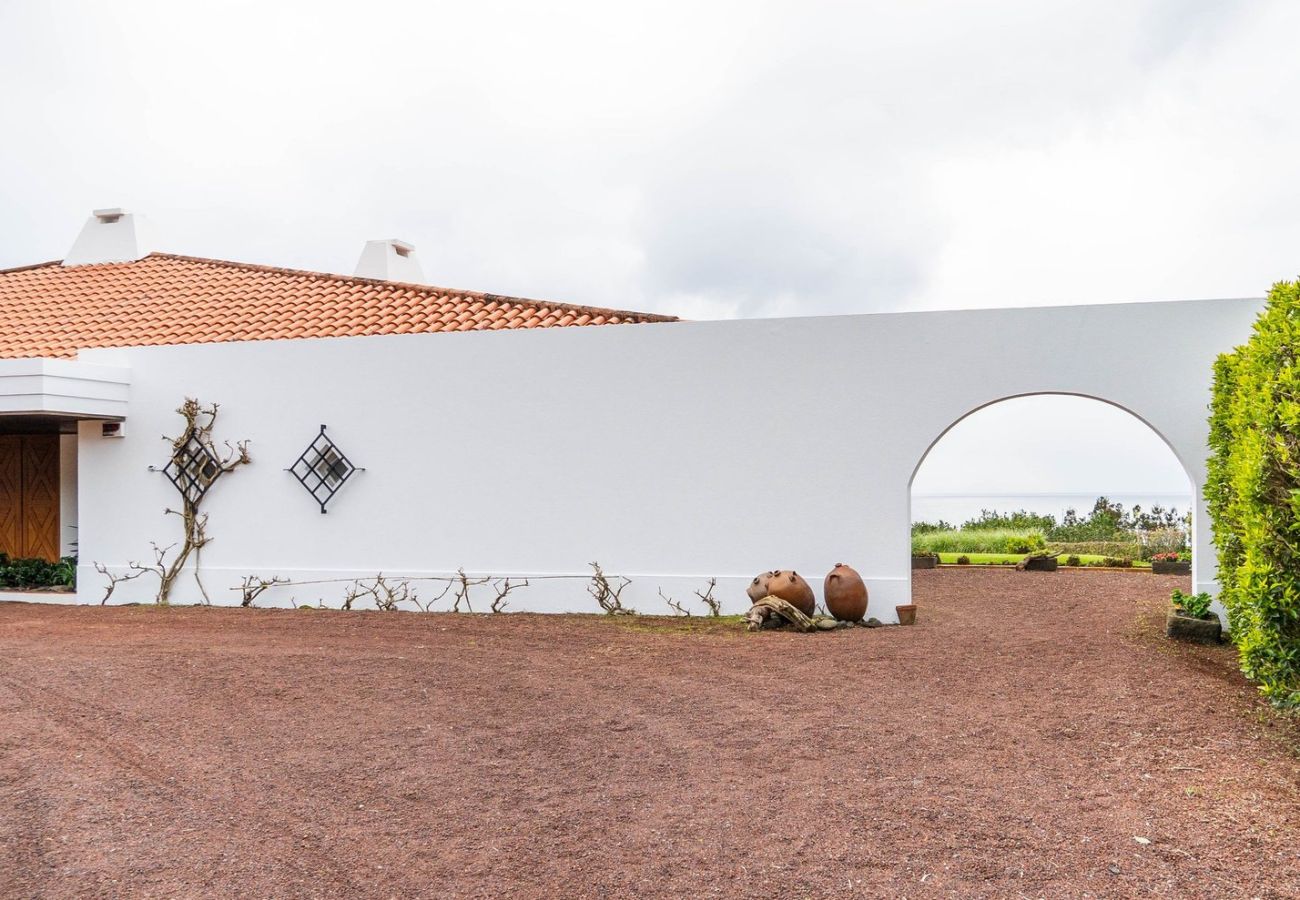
1047 472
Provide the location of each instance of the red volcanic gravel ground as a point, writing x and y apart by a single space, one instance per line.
1017 742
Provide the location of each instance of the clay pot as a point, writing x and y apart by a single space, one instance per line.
906 614
757 589
790 587
845 593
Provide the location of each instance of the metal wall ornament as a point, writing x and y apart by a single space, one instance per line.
323 469
192 469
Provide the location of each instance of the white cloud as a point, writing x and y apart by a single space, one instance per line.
712 159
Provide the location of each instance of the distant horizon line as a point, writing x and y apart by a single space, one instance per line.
1092 494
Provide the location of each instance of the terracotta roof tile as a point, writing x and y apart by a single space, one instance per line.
50 310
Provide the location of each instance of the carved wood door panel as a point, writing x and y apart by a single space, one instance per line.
29 496
11 495
41 496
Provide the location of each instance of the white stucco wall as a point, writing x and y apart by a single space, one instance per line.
68 529
671 453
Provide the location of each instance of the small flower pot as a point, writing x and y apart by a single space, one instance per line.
1182 627
906 614
1160 567
924 562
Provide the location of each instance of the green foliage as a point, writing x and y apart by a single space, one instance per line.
1118 562
1020 520
1112 522
1131 549
1073 560
24 574
1253 492
1195 605
1108 530
963 560
968 541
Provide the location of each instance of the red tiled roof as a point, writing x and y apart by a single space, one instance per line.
52 310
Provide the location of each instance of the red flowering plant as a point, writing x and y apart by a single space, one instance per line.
1171 557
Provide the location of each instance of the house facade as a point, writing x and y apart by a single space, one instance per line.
499 437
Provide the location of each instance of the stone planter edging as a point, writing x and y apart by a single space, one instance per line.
1197 631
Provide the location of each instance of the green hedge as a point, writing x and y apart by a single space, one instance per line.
1253 492
997 540
1131 549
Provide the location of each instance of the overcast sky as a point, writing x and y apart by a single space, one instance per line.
705 159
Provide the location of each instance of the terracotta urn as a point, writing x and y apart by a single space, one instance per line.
757 589
845 593
790 587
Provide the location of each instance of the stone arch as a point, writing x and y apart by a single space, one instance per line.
1204 563
1049 393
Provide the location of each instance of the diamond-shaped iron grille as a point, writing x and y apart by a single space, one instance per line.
193 468
322 469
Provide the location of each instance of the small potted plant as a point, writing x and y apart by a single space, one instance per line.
1191 619
924 559
1173 563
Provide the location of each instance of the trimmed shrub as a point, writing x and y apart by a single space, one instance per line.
1253 491
967 541
963 560
1131 549
36 573
1073 560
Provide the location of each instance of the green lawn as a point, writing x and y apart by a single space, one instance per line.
995 559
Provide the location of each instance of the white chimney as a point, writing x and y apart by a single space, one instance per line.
109 235
390 260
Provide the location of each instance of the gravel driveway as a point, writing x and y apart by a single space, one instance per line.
1032 736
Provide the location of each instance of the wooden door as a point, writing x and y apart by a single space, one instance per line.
41 496
29 496
11 495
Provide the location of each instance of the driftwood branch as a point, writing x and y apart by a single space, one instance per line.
773 612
